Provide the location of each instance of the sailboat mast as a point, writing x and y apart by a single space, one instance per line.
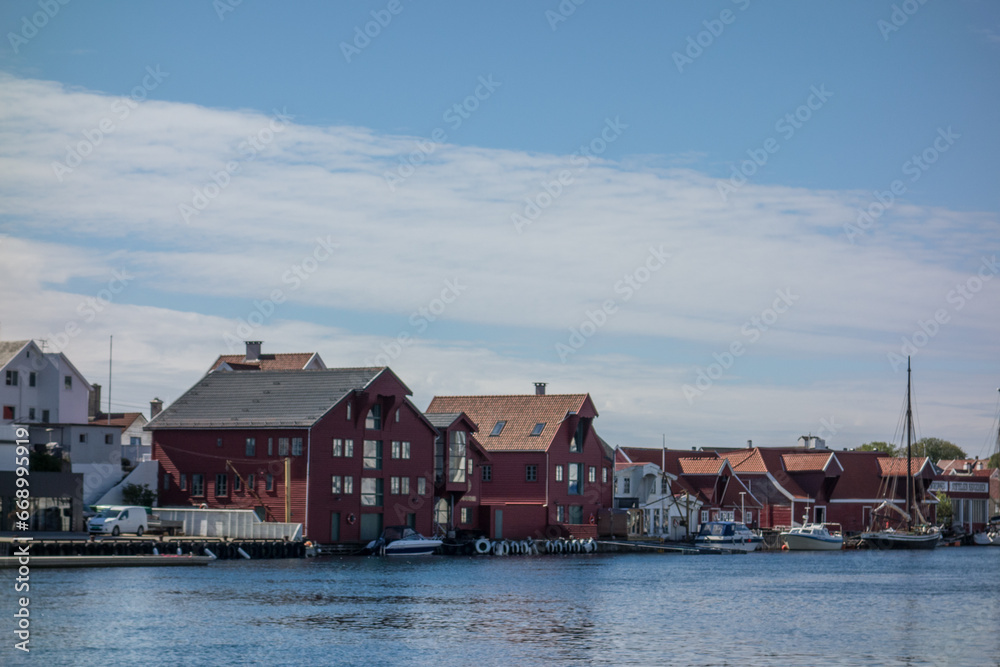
909 452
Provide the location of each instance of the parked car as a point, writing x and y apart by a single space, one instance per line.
119 519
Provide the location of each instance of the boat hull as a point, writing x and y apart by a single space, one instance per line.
796 542
730 543
899 540
412 547
986 539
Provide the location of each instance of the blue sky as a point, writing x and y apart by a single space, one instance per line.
717 155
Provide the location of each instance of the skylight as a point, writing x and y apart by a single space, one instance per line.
499 427
538 428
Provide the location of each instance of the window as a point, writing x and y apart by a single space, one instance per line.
337 448
498 428
748 517
8 412
397 415
592 474
576 514
395 449
12 378
282 446
348 449
348 484
487 473
604 475
45 416
575 478
31 414
269 482
404 485
197 484
251 447
561 513
372 455
68 381
626 485
296 446
348 412
466 515
83 437
109 439
270 446
184 482
135 441
400 449
468 467
222 485
439 459
394 486
456 457
421 486
537 430
31 379
531 473
576 444
374 419
704 516
218 442
251 486
337 484
237 483
371 492
559 473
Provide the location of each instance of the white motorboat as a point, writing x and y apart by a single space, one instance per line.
403 541
812 537
989 537
727 536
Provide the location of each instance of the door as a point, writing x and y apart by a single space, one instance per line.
820 513
335 526
866 517
498 525
371 527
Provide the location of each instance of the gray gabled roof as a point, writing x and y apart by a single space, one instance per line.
253 400
442 419
9 350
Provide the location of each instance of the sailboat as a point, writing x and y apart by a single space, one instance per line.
899 530
991 535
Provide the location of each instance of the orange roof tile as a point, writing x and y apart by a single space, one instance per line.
291 361
746 460
805 462
120 419
701 466
888 465
520 412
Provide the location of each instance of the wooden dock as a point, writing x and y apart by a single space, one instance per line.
104 561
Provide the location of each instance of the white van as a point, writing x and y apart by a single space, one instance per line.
119 519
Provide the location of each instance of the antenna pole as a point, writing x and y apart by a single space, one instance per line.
111 342
909 453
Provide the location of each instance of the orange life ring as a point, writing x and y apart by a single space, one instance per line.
351 519
593 519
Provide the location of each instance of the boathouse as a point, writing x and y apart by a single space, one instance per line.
548 471
343 451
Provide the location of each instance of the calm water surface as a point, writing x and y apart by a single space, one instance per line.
841 608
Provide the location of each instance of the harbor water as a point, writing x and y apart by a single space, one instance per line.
937 607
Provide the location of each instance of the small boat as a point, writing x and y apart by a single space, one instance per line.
812 537
402 541
727 536
989 537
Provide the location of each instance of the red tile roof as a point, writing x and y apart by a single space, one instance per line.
520 412
746 460
292 361
701 466
888 465
808 462
958 465
120 419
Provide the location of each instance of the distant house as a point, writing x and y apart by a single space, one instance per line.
548 472
666 511
871 478
342 451
135 442
253 360
974 490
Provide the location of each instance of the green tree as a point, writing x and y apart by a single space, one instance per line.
994 461
937 449
944 511
879 446
133 494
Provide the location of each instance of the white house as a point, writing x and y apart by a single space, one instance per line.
647 487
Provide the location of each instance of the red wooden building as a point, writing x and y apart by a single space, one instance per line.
458 464
548 471
343 451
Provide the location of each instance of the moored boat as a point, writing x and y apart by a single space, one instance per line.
727 536
403 541
812 537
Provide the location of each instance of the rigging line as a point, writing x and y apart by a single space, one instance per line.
205 455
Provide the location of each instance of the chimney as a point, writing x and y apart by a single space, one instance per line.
979 465
155 407
749 444
94 404
253 350
540 388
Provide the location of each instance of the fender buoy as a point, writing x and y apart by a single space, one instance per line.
482 546
351 519
593 519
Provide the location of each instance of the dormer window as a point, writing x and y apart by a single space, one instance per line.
498 428
539 427
374 419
